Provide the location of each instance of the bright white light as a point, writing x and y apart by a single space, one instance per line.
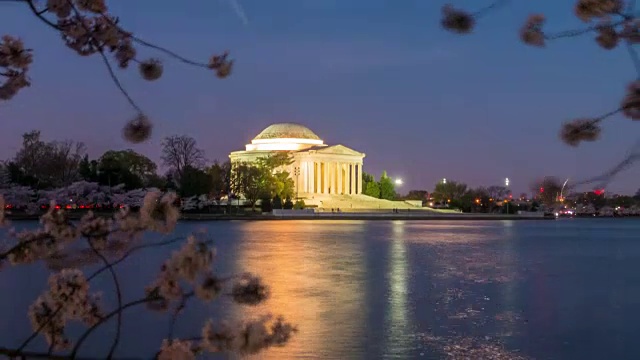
398 182
444 181
506 182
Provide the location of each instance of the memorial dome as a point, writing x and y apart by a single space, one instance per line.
286 131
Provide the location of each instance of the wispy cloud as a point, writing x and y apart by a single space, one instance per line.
239 10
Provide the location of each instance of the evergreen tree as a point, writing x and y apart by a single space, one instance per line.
277 202
5 176
370 186
387 190
288 204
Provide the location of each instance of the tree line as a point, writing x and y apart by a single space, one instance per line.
549 193
44 165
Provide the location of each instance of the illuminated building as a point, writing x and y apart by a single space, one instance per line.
317 168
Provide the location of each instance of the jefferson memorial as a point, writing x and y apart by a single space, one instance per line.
317 168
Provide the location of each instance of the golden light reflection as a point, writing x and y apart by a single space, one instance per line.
316 282
398 320
508 318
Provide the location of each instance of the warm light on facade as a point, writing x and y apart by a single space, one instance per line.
286 144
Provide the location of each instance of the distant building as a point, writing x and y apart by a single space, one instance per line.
317 168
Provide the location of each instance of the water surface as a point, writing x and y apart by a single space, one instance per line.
565 289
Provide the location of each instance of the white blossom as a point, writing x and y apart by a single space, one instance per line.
248 337
176 350
68 299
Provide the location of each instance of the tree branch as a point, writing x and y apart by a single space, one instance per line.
496 4
103 320
116 283
176 313
15 353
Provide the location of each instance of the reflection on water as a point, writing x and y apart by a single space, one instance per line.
401 289
316 279
398 339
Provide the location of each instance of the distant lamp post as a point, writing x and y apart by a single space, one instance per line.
444 181
296 172
506 184
398 182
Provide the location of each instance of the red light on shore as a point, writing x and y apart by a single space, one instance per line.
541 189
598 192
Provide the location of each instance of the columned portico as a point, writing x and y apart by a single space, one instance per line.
322 169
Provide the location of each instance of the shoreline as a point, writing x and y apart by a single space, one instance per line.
323 216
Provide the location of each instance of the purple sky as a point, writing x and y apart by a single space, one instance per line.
379 76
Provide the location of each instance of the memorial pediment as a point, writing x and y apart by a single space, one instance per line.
338 150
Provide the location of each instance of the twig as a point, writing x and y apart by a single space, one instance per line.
116 81
578 32
131 251
496 4
39 15
179 308
607 115
103 320
37 331
168 52
105 60
633 54
14 353
116 283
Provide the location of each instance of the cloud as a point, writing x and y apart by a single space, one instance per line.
239 10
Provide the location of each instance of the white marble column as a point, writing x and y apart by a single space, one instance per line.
310 177
359 178
323 166
335 178
303 172
353 178
318 188
339 178
330 175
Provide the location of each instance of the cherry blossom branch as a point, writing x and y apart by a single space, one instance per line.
133 250
104 319
578 32
15 353
177 312
496 4
116 283
39 14
20 245
89 29
33 335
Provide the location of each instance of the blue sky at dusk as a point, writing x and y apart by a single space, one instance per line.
379 76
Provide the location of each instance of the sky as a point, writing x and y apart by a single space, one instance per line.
379 76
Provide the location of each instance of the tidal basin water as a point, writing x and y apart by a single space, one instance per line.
565 289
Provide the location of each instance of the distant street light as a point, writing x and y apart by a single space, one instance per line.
398 182
444 181
506 184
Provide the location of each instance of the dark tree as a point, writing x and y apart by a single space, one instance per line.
194 182
179 152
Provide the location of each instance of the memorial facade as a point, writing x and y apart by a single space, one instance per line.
317 168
